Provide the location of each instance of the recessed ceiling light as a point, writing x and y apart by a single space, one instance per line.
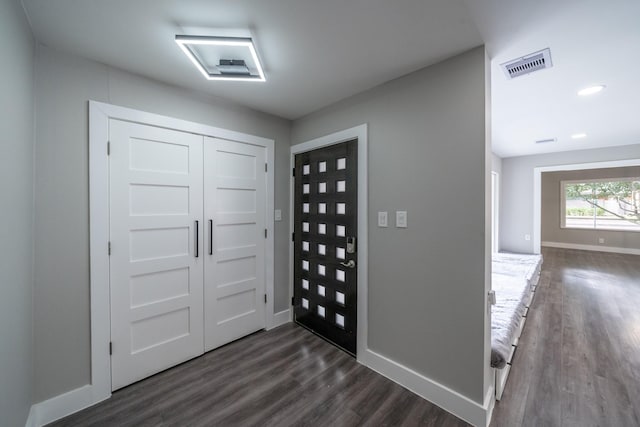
215 67
591 90
578 135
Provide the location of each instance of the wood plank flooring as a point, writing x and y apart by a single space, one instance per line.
578 360
284 377
577 364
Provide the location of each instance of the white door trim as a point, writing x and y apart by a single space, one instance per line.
99 116
537 189
495 211
359 132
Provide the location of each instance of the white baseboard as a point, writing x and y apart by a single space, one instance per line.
438 394
280 318
490 403
597 248
60 406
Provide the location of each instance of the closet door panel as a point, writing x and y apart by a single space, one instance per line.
235 203
156 280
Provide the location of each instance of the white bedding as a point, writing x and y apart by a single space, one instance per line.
518 265
514 277
511 293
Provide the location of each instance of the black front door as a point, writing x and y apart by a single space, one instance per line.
325 242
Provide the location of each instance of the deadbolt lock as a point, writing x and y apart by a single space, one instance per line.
351 245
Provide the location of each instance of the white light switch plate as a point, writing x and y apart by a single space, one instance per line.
401 219
277 215
382 219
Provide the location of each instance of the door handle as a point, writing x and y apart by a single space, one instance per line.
210 237
349 264
197 233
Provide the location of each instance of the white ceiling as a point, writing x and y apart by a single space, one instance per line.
592 42
314 52
318 52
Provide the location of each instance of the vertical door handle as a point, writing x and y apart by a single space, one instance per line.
210 237
197 233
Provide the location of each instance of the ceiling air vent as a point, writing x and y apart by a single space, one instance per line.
528 64
544 141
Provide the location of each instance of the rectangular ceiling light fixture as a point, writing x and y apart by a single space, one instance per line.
213 55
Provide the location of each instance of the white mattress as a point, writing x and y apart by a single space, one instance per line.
511 296
514 277
518 265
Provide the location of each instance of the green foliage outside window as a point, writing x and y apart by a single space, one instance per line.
612 199
602 190
584 212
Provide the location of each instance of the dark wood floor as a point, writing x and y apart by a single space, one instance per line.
284 377
578 360
578 364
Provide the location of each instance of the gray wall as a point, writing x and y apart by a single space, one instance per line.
551 212
64 84
516 215
16 214
428 156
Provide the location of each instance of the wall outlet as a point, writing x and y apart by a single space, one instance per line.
527 237
601 240
383 219
277 215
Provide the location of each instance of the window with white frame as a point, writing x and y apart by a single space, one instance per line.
603 204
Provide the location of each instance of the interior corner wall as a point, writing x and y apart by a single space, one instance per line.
64 85
551 217
16 215
496 166
490 160
496 163
516 215
427 156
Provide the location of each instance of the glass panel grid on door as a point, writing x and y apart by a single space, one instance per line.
325 226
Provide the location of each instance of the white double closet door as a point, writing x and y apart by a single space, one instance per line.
187 263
